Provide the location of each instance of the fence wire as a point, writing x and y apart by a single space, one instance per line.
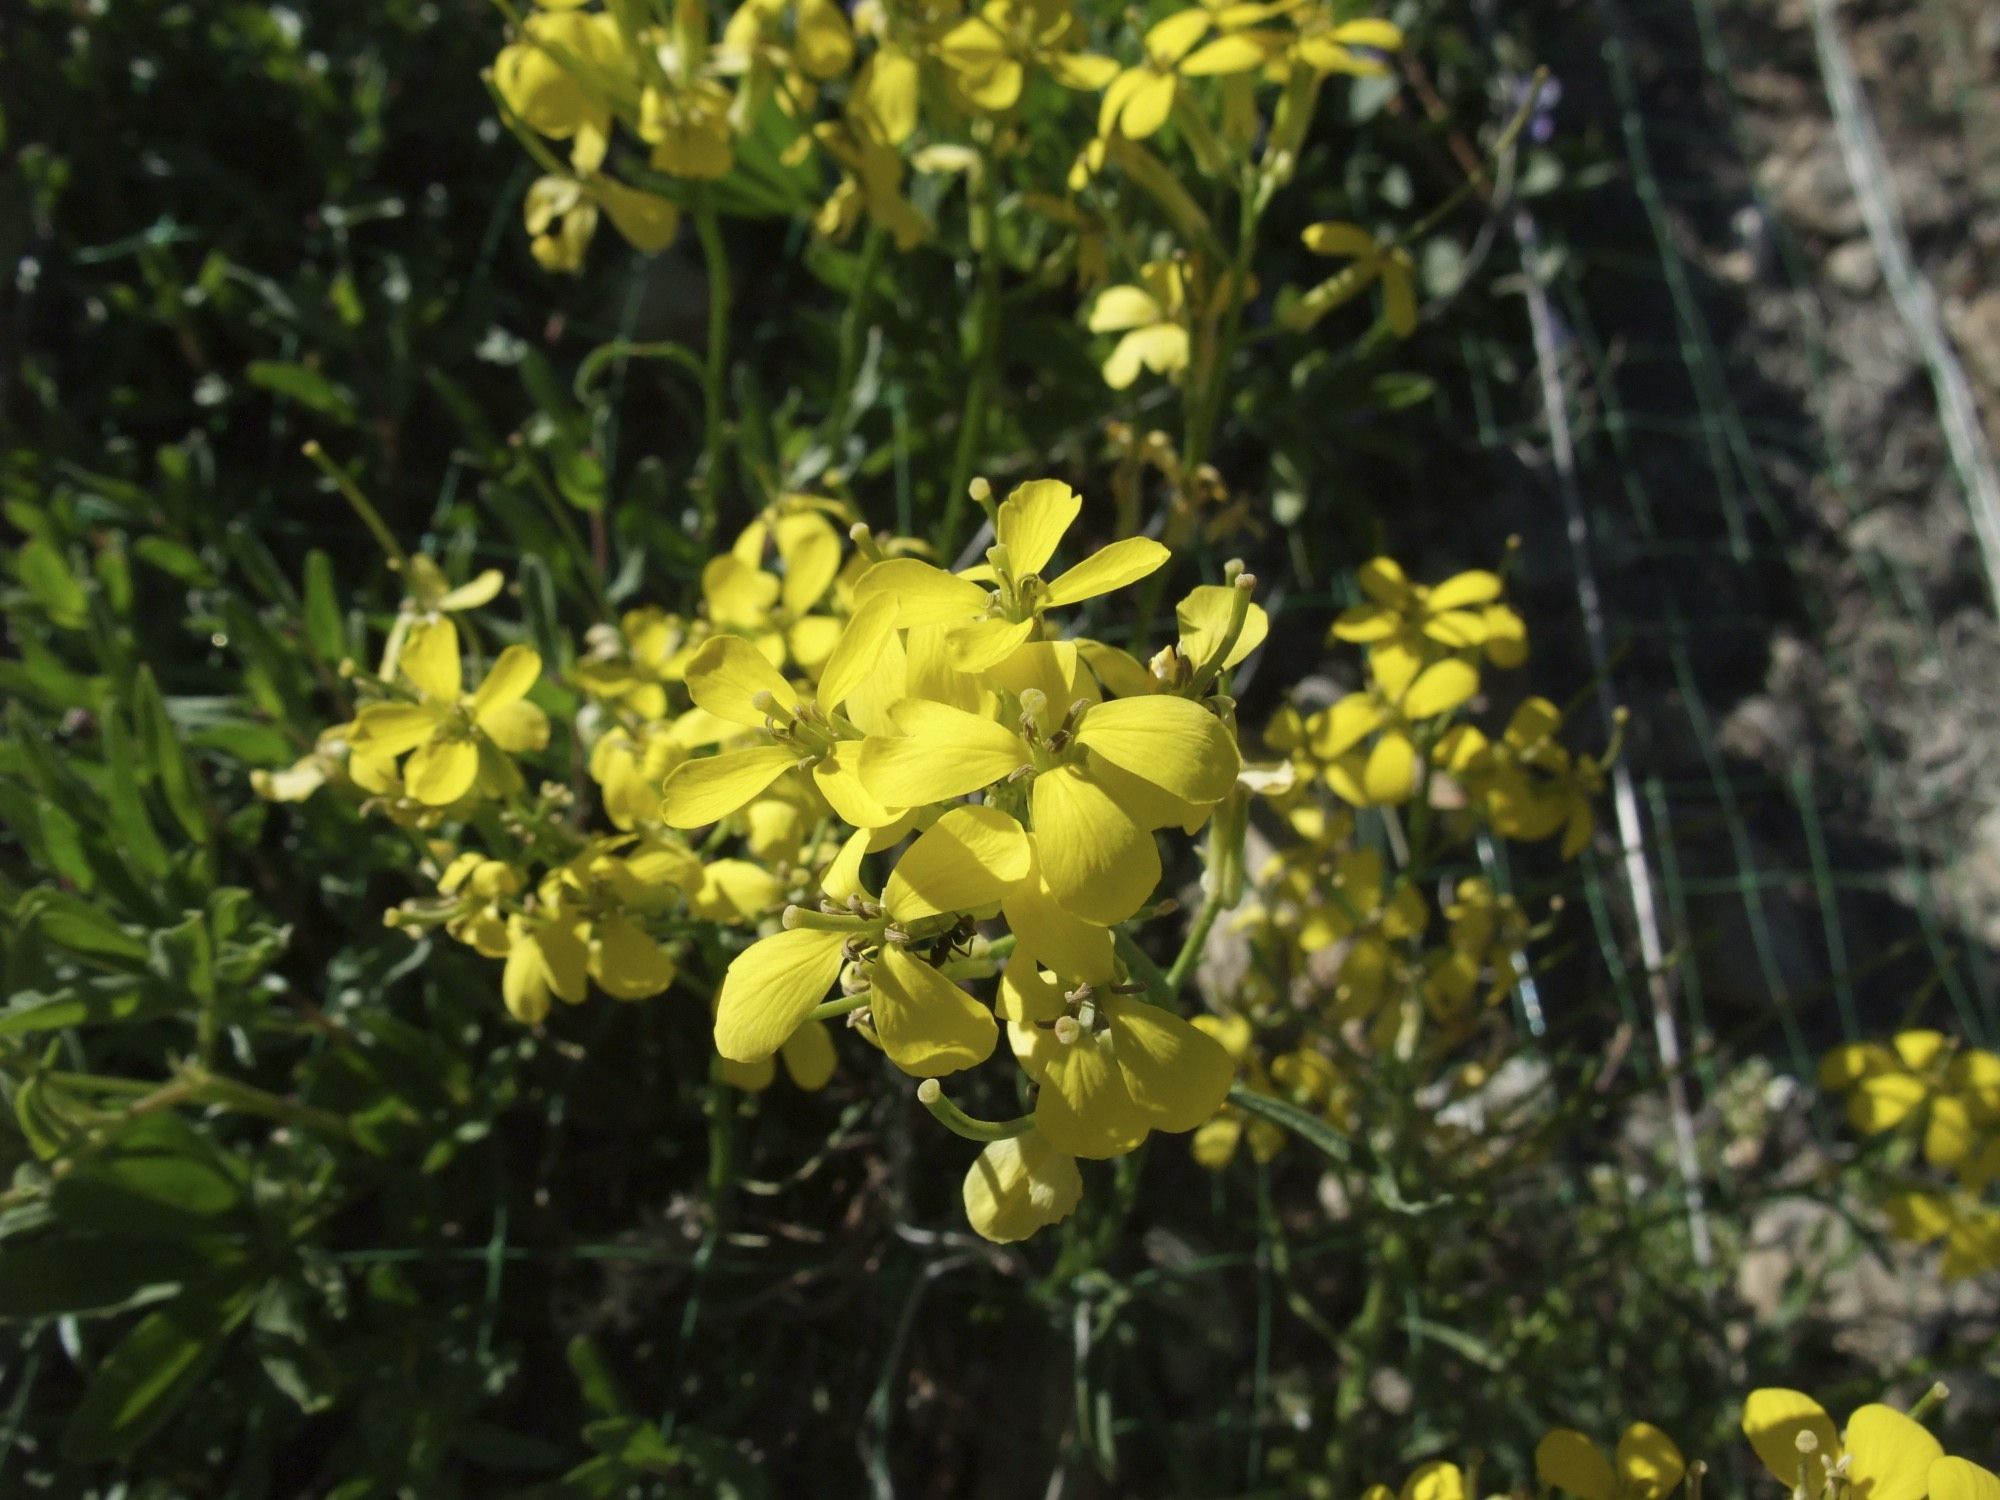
1798 879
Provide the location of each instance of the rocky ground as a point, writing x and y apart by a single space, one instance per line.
1802 618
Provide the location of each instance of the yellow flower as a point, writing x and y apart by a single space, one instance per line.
1102 776
730 679
633 664
1019 1185
1390 708
1327 45
871 184
1882 1454
1917 1078
1139 100
479 918
1111 1067
454 739
1486 930
990 52
1969 1229
1531 785
1152 319
989 624
587 925
965 862
1417 623
1370 262
561 217
1647 1465
1961 1479
562 76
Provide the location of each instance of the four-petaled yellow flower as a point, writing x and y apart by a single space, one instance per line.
454 739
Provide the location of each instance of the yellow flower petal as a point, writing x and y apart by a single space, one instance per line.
392 728
810 1057
1649 1465
1117 309
942 752
861 647
970 858
483 589
1174 1071
700 792
1032 521
771 988
1203 617
985 644
927 1025
1098 863
518 726
1774 1417
1435 1481
440 771
1173 743
726 676
430 660
1890 1456
926 595
1018 1186
1168 41
508 682
1084 1108
1049 933
1238 53
1161 348
1440 688
628 963
1567 1460
1390 775
839 781
1961 1479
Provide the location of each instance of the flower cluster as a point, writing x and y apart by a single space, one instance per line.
1881 1452
1349 953
1023 779
1938 1106
826 708
874 112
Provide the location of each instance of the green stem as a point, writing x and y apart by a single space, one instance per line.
930 1094
715 366
370 517
845 1006
984 360
1176 978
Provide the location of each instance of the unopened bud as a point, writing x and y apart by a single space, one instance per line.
980 490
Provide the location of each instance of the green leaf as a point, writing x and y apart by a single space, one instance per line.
45 574
326 630
155 1178
139 841
32 1013
80 926
162 742
149 1376
306 386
